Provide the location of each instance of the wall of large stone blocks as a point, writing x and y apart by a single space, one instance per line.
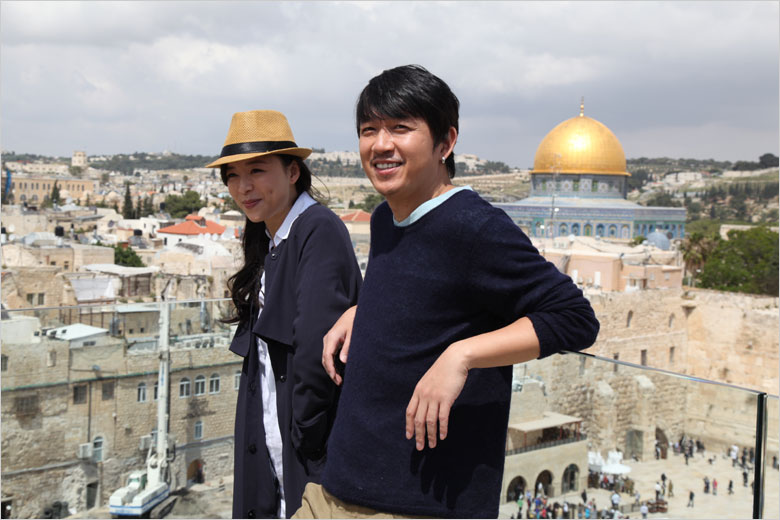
652 320
733 338
85 255
612 403
34 280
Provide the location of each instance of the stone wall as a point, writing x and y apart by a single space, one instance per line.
733 338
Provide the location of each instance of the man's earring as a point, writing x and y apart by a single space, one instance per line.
443 159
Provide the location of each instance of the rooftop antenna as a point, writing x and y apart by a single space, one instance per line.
582 106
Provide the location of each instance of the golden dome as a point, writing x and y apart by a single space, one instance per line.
583 145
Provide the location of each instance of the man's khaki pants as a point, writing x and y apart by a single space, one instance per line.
318 503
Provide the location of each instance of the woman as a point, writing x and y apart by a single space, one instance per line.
299 275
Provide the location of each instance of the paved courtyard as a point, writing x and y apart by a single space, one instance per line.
685 479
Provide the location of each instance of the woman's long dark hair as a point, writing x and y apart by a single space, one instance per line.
245 284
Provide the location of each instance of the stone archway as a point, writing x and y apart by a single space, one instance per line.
515 489
545 478
570 479
662 442
195 472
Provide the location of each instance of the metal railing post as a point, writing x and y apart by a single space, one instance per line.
759 463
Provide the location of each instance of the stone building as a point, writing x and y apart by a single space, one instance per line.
79 410
543 447
79 159
579 186
34 189
54 251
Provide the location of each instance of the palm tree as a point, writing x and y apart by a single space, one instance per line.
696 249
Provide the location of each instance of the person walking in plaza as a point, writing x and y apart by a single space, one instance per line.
643 510
690 498
670 489
299 274
454 295
731 487
657 491
714 486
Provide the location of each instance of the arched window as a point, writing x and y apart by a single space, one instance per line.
184 387
200 385
613 231
628 318
539 229
563 230
198 429
156 388
237 380
671 320
214 384
570 477
575 229
600 230
97 449
588 230
141 392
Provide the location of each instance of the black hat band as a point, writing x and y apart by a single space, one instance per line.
256 147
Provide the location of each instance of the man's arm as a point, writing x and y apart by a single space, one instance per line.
337 341
435 393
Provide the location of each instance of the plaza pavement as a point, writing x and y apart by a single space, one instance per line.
685 478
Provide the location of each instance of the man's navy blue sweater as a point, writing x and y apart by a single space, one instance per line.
463 269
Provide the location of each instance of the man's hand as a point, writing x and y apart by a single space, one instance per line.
433 397
336 341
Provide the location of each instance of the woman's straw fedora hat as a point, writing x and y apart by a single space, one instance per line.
255 133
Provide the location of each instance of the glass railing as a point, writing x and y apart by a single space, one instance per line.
79 412
645 428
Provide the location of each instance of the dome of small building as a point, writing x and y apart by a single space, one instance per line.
659 239
580 145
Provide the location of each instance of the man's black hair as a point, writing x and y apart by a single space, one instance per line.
411 91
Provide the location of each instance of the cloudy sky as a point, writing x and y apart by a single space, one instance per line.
678 79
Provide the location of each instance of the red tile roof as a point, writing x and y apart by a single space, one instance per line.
190 227
357 216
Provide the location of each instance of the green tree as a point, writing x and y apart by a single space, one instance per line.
747 262
127 257
148 207
663 199
768 160
696 250
371 201
54 198
229 204
127 207
181 206
638 179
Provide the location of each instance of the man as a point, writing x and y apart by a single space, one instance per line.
644 510
453 295
615 501
691 494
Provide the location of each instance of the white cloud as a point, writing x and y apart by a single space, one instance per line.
119 76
